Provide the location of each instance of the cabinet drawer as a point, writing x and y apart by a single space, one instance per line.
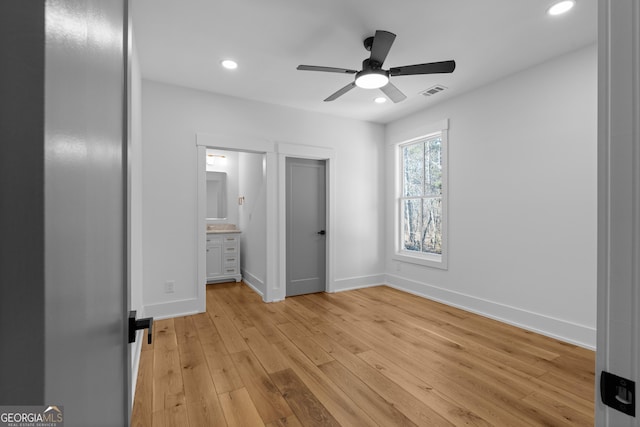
230 240
213 240
230 250
230 261
229 270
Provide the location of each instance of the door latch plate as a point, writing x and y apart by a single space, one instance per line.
618 393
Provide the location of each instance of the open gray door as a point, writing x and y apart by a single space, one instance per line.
306 226
86 295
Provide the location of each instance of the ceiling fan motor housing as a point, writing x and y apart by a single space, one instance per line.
368 64
368 42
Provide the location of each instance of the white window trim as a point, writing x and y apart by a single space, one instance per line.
427 260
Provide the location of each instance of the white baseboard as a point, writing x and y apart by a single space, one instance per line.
167 310
563 330
253 282
359 282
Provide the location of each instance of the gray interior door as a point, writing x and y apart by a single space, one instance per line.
306 225
85 212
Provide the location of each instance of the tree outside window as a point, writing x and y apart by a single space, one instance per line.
421 199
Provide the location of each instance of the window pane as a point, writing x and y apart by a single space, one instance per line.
412 223
433 167
412 168
432 225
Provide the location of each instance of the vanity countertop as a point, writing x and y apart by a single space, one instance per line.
222 229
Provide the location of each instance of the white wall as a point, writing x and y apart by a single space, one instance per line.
253 219
522 200
171 117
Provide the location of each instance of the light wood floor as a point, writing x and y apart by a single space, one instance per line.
367 357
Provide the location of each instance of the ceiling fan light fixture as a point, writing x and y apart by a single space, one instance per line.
372 79
229 64
561 7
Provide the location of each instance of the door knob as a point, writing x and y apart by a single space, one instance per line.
322 232
135 324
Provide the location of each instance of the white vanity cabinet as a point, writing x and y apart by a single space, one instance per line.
223 257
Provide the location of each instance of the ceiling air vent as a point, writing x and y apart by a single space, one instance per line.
433 90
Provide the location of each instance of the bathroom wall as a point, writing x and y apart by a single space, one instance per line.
253 219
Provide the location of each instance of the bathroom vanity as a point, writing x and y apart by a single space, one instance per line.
223 255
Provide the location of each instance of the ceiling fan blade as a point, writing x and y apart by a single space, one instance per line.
429 68
382 42
325 69
341 92
393 93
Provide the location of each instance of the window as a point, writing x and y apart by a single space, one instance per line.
422 200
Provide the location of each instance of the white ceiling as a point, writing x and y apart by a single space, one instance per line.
183 41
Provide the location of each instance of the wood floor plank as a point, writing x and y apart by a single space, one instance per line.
221 368
477 408
239 410
203 407
449 408
380 409
164 335
309 347
452 381
270 359
142 413
302 401
233 311
264 394
562 414
341 407
168 388
232 339
418 412
449 355
368 357
457 337
262 321
291 421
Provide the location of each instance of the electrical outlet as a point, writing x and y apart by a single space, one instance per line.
169 286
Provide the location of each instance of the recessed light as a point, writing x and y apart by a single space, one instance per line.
380 100
561 7
229 64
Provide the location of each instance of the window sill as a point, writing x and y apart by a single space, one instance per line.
434 261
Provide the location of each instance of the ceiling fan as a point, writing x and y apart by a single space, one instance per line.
372 76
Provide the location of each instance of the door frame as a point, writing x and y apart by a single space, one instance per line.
275 154
618 345
311 153
238 143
